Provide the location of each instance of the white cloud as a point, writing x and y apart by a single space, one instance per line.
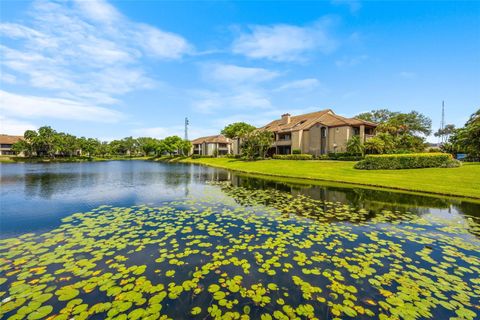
162 132
234 74
350 61
262 117
24 106
159 43
98 10
283 42
8 78
17 31
14 127
304 84
85 51
210 101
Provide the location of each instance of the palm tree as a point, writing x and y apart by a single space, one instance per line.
354 145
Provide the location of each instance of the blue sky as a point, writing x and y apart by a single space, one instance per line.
120 68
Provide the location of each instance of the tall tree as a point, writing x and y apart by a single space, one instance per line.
446 131
23 146
256 144
147 145
401 132
131 145
89 146
172 144
103 149
412 123
118 147
185 146
66 144
467 139
377 116
46 140
237 130
30 136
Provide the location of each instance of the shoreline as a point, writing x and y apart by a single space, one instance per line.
383 186
229 164
7 159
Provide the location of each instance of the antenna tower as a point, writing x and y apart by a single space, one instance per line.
186 128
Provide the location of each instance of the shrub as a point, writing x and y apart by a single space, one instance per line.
322 157
198 156
470 158
407 161
293 156
355 145
345 156
296 151
233 156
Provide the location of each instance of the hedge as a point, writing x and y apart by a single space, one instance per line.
407 161
199 156
345 156
233 156
293 156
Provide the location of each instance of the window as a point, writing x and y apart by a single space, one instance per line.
222 145
324 132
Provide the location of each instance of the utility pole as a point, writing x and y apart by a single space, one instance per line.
186 128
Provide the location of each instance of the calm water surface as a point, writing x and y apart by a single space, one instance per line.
138 240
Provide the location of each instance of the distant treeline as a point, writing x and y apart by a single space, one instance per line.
47 142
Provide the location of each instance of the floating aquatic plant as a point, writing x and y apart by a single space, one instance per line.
260 254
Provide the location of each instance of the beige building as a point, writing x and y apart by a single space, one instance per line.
212 145
317 133
6 143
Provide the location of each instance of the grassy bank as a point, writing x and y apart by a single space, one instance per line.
462 182
13 159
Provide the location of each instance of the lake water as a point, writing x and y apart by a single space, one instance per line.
146 240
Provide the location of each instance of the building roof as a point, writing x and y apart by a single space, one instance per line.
7 139
304 121
212 139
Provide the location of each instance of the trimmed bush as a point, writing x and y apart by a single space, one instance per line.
345 156
296 151
407 161
322 157
199 156
233 156
293 156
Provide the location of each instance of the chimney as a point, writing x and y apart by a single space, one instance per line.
286 118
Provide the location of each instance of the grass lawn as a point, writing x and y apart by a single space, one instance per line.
463 181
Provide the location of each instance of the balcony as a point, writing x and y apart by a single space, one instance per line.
282 143
283 140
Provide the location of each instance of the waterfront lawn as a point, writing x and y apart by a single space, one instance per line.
463 181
